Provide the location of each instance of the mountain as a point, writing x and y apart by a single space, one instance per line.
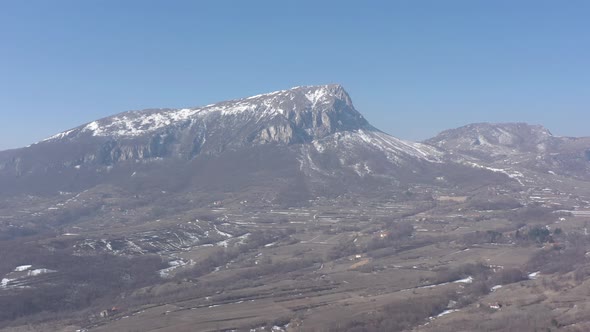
299 142
518 145
489 140
212 215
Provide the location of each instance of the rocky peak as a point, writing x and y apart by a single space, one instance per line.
494 138
303 94
305 112
298 115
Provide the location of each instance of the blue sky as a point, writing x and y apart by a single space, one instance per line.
413 68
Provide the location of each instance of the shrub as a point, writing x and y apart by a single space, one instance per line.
553 261
477 270
399 315
508 276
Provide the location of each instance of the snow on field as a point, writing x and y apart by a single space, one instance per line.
165 273
222 233
16 278
22 268
5 281
444 313
275 328
467 280
516 175
495 288
37 272
224 243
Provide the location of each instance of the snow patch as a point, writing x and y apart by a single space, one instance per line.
59 136
37 272
511 174
22 268
495 288
467 280
222 233
5 281
316 95
446 312
173 265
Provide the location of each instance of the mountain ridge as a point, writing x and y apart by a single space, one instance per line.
314 130
274 104
518 145
311 122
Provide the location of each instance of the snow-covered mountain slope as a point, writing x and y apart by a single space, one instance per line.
294 116
395 150
493 140
514 146
282 116
303 135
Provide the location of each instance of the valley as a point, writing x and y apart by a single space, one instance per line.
289 212
317 265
